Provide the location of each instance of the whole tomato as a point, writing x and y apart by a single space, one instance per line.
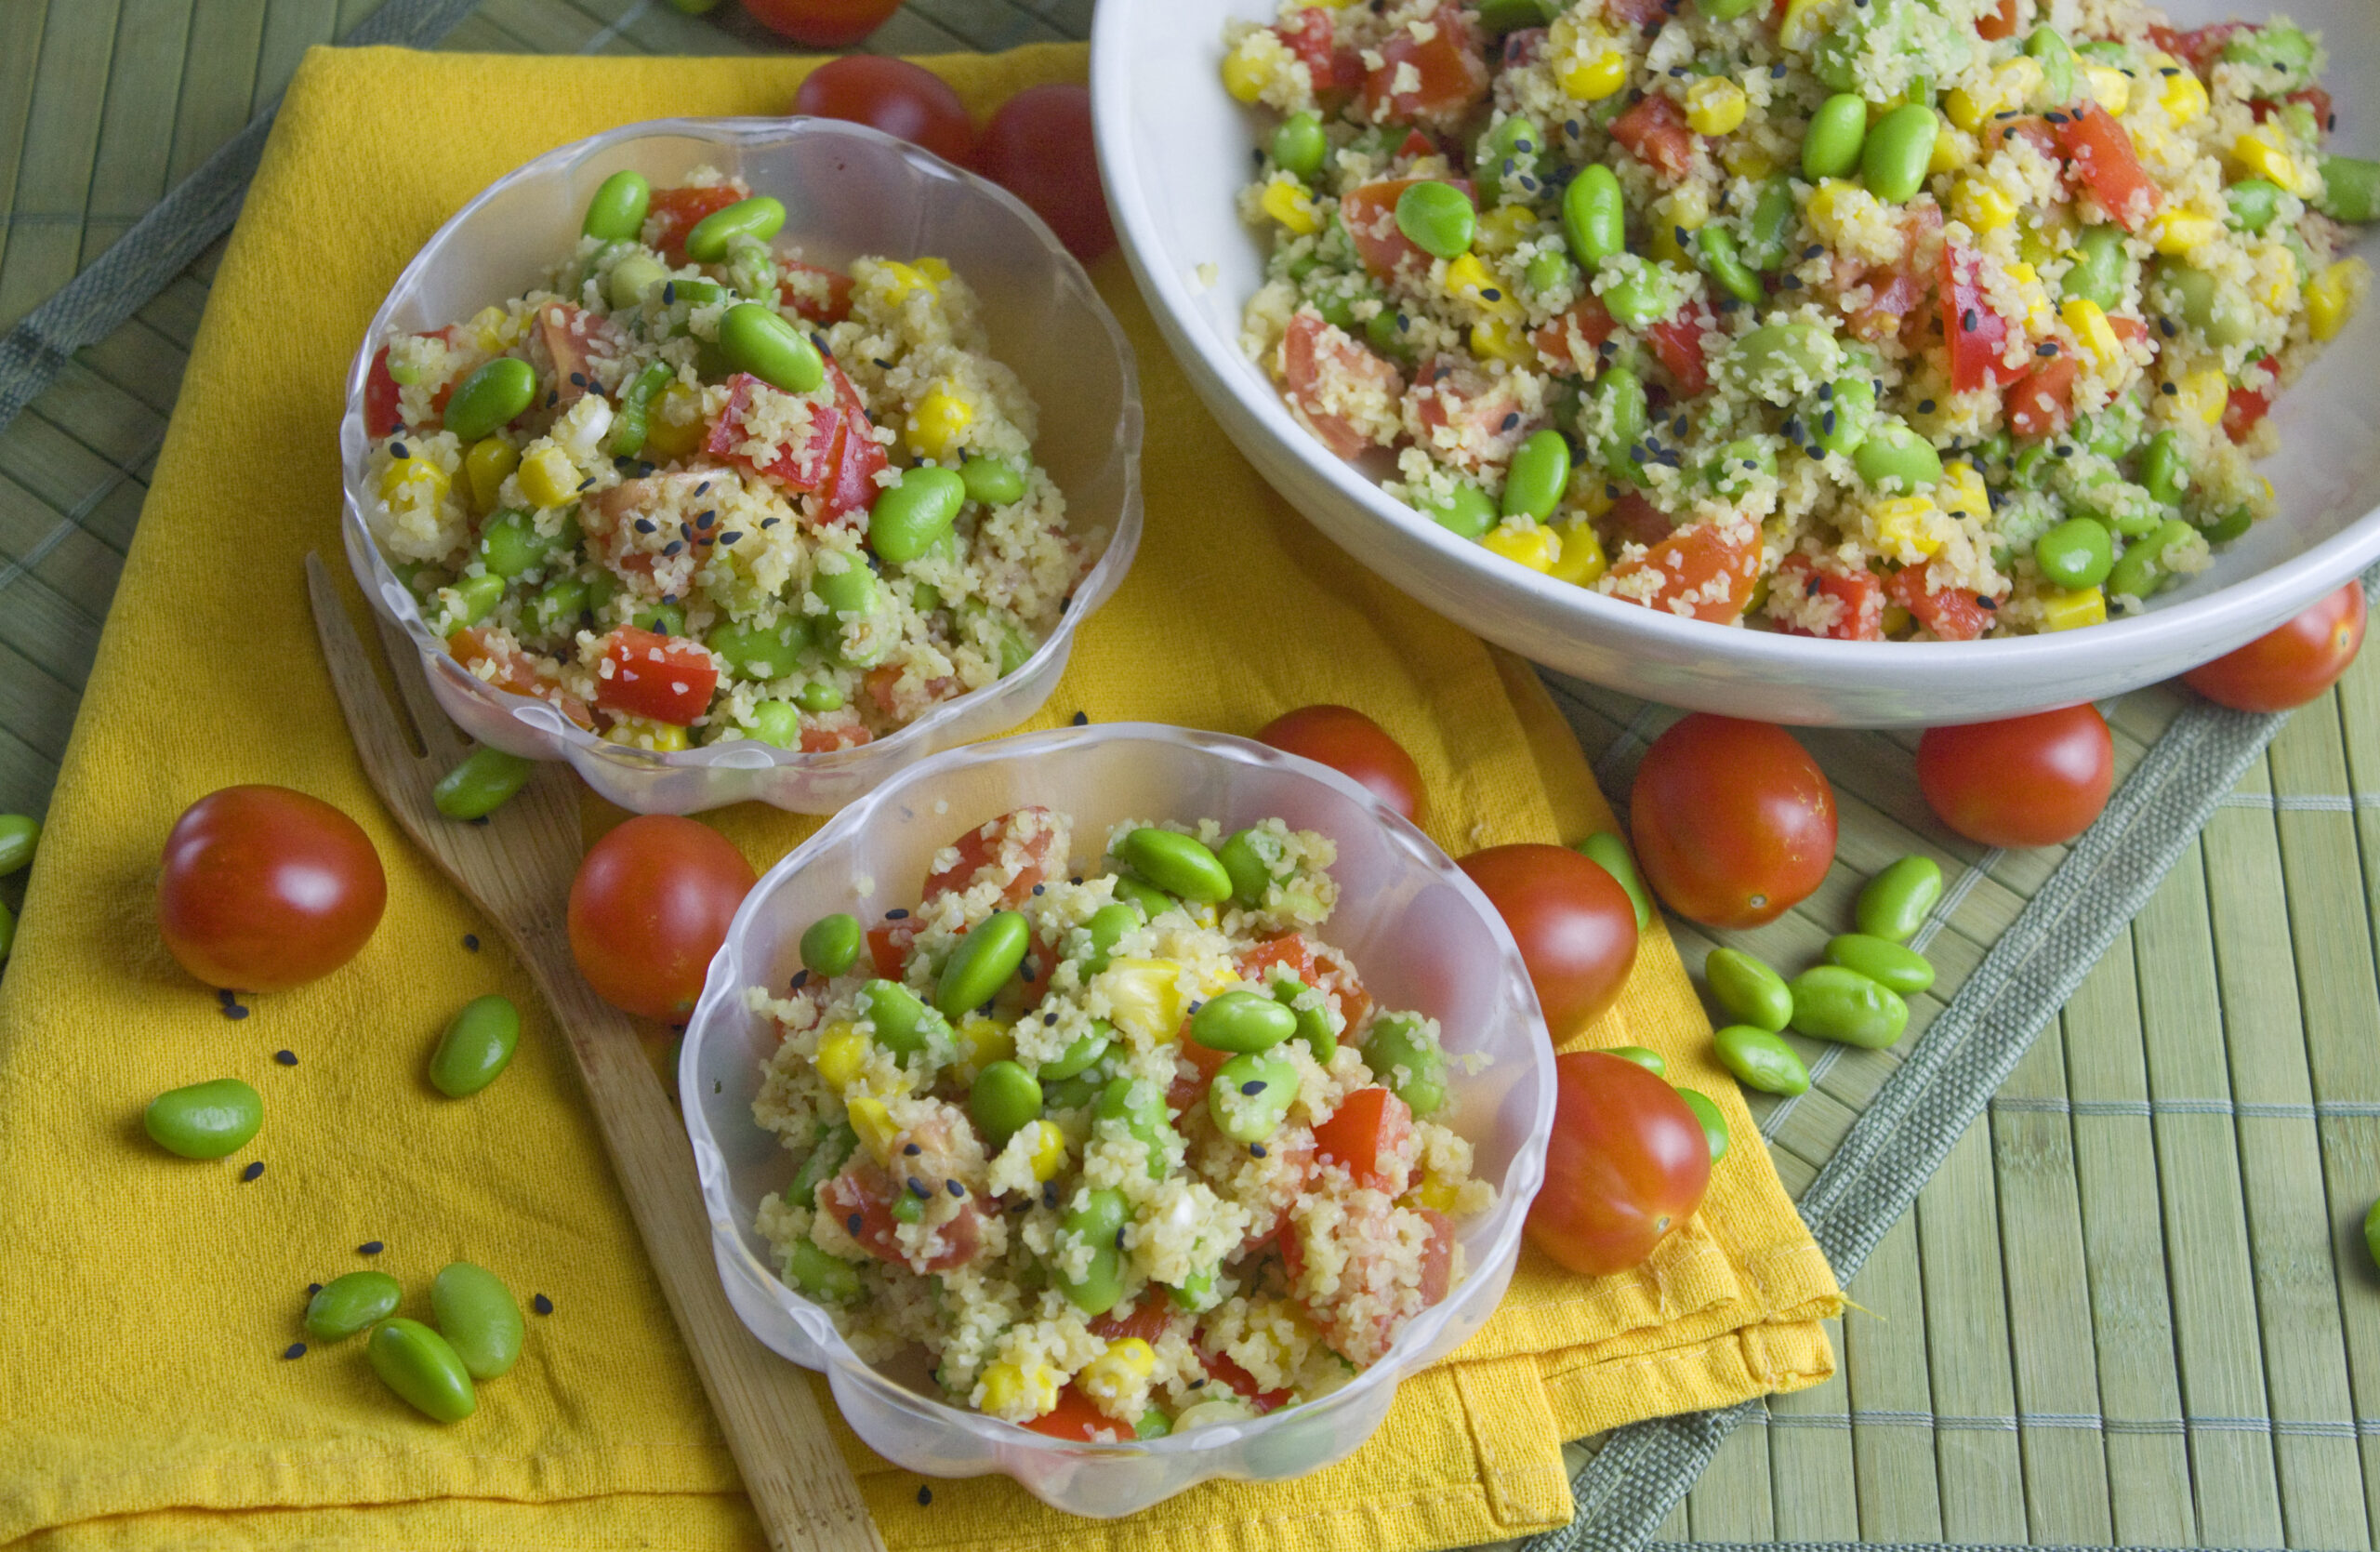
894 96
1038 148
1626 1163
2294 664
263 889
822 24
2028 782
650 907
1355 746
1734 822
1574 925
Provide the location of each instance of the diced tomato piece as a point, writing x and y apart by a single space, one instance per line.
1372 1134
2199 48
805 466
2250 403
1340 980
2317 99
1075 1417
1524 48
1996 25
2032 129
1220 1367
1952 614
803 297
1978 335
1895 297
571 335
1640 13
1678 342
660 677
1449 74
1020 844
1204 1062
1859 593
1466 417
1148 1320
863 1194
850 491
1368 210
1636 520
1656 133
1569 341
380 414
2042 405
1437 1257
1308 35
821 738
1320 364
677 210
888 946
515 671
2101 161
1287 952
1688 564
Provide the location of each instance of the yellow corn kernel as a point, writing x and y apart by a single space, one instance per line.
492 329
1501 340
842 1051
1045 1148
1145 995
1962 492
2110 86
1243 74
874 1124
420 480
1018 1393
1896 621
2175 232
2331 298
913 277
2277 268
2184 96
675 427
2262 151
490 459
548 478
1954 148
1285 201
1109 1377
1748 159
1435 1192
1581 562
2206 393
983 1042
1982 205
1904 529
1797 30
1964 109
938 425
1591 492
1597 77
1836 206
1504 227
2091 331
1536 547
645 732
2028 281
2014 85
1474 284
937 271
2068 611
1715 105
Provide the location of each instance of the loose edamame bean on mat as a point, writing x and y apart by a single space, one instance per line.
483 782
1177 864
476 1048
1760 1059
204 1120
1607 851
423 1368
1895 902
1831 1003
1714 1125
2371 1233
20 837
1888 963
350 1303
478 1317
1650 1060
1748 988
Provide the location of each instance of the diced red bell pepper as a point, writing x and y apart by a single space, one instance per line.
1569 341
1289 953
1687 562
1655 131
1640 13
2042 403
678 210
1994 26
1369 212
1033 832
861 1199
2033 129
1636 520
660 677
1678 344
1220 1367
1951 613
512 671
1485 414
1859 591
571 335
2249 405
2198 49
2101 161
805 466
803 298
1449 74
823 738
1979 336
1524 48
380 414
1148 1320
1075 1417
1369 1133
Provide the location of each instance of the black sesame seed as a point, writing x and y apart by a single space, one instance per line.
645 525
955 1187
586 483
668 598
579 379
768 523
1968 320
911 1149
370 1247
702 487
801 979
704 518
225 994
542 1304
925 1496
2169 390
919 1188
1199 1384
1080 718
882 364
1253 1087
1040 887
851 1224
731 535
295 1349
314 1288
896 914
234 1012
1826 393
1982 601
552 398
673 547
286 1058
1257 1148
1790 283
668 293
1777 72
397 450
253 1170
1826 426
1570 127
1119 1236
2047 350
471 942
1926 407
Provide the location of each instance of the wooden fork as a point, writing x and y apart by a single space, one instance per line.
518 869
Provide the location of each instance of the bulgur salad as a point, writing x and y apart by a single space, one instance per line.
695 489
1864 318
1121 1153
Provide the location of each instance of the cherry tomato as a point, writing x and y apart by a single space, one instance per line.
1038 148
1574 925
1626 1163
894 96
822 24
2028 781
1734 822
1371 1133
649 909
2293 665
1356 747
263 889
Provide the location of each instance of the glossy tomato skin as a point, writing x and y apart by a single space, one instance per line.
1626 1163
2028 782
894 96
822 24
1355 746
2294 664
1734 822
263 889
649 909
1038 148
1574 925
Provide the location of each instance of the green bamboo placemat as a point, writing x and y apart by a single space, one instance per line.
2129 1304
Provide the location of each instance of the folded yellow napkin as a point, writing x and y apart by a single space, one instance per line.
145 1401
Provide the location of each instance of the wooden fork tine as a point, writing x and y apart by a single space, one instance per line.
370 719
440 738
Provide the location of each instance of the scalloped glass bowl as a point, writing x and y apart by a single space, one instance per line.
850 191
1173 150
1420 933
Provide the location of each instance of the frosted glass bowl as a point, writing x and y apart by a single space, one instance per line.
850 191
1174 151
1420 933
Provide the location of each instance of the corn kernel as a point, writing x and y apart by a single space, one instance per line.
938 425
1501 340
1966 110
1243 74
1581 562
1896 621
1597 77
1715 105
1962 492
490 459
2206 393
874 1124
1982 205
1591 492
548 478
492 329
2068 611
418 479
2261 152
1748 159
911 277
983 1042
1905 528
1674 219
842 1051
2028 282
1504 228
2110 86
675 427
2176 231
1109 1376
1954 148
645 732
1797 28
2089 324
1841 209
1285 201
1435 1192
2184 97
1017 1392
1143 995
2331 300
1045 1148
1473 284
937 271
2014 85
1535 547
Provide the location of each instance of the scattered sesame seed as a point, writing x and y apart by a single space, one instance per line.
1511 420
731 535
253 1170
542 1304
1080 719
471 942
2047 351
295 1349
1968 320
1040 887
911 1149
919 1188
645 525
370 1247
668 293
1926 407
1256 1148
234 1012
768 523
925 1496
397 450
2171 390
1985 602
801 979
286 1058
1790 283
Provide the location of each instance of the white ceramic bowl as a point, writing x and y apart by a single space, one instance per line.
850 190
1420 933
1175 151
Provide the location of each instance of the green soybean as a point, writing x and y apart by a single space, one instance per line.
1780 361
910 516
1748 988
2224 526
1108 923
905 1208
1299 144
1895 902
467 601
204 1120
1405 1056
1837 138
2165 470
1242 1021
494 393
477 1046
1739 465
1254 860
1895 456
2371 1233
759 652
2255 204
1774 216
1549 271
1002 1099
903 1023
1714 1125
616 212
2099 273
1650 1060
629 280
1607 851
831 945
1760 1059
1500 17
1620 408
20 838
2277 47
2061 72
982 963
2216 308
478 1317
1723 263
1144 898
1724 10
1251 1095
2077 553
759 218
1466 511
511 545
755 339
560 604
1098 1222
993 482
849 591
2149 565
1897 152
1594 216
484 781
829 1154
1831 1003
347 1304
1438 219
820 1276
818 696
777 723
1306 1006
1645 294
422 1368
1888 963
1509 155
1539 475
1080 1054
2350 190
1177 864
1841 417
1141 1107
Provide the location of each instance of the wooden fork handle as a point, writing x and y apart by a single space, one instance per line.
806 1496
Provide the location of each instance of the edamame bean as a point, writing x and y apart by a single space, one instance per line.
511 545
1608 852
1896 459
1725 267
2371 1233
849 591
2061 72
204 1120
1774 216
1549 271
1002 1099
905 1208
493 394
1841 415
908 518
2350 190
662 619
1897 152
1895 902
1306 1006
1831 1003
1107 925
1620 409
2164 469
1888 963
832 1152
1748 990
632 417
629 280
1403 1054
1080 1054
1740 465
1539 475
2277 47
347 1304
423 1368
7 931
1242 1021
1438 219
1466 511
831 945
2216 308
476 1048
1254 860
1714 1125
1144 898
560 604
1299 144
478 1317
1724 10
903 1023
818 696
982 963
2223 527
759 652
616 212
1510 153
1251 1095
1650 1060
1760 1059
1500 17
1837 138
1141 1107
2255 204
1594 216
481 783
2076 555
1778 362
2098 273
2149 565
755 339
820 1276
1177 864
467 601
759 217
993 482
1645 294
20 838
1098 1222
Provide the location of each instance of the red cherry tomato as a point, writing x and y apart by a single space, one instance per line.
1038 148
894 96
1734 822
1627 1162
1574 925
649 909
1356 747
264 889
2028 781
822 24
2293 665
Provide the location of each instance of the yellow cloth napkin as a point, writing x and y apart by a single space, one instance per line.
144 1398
